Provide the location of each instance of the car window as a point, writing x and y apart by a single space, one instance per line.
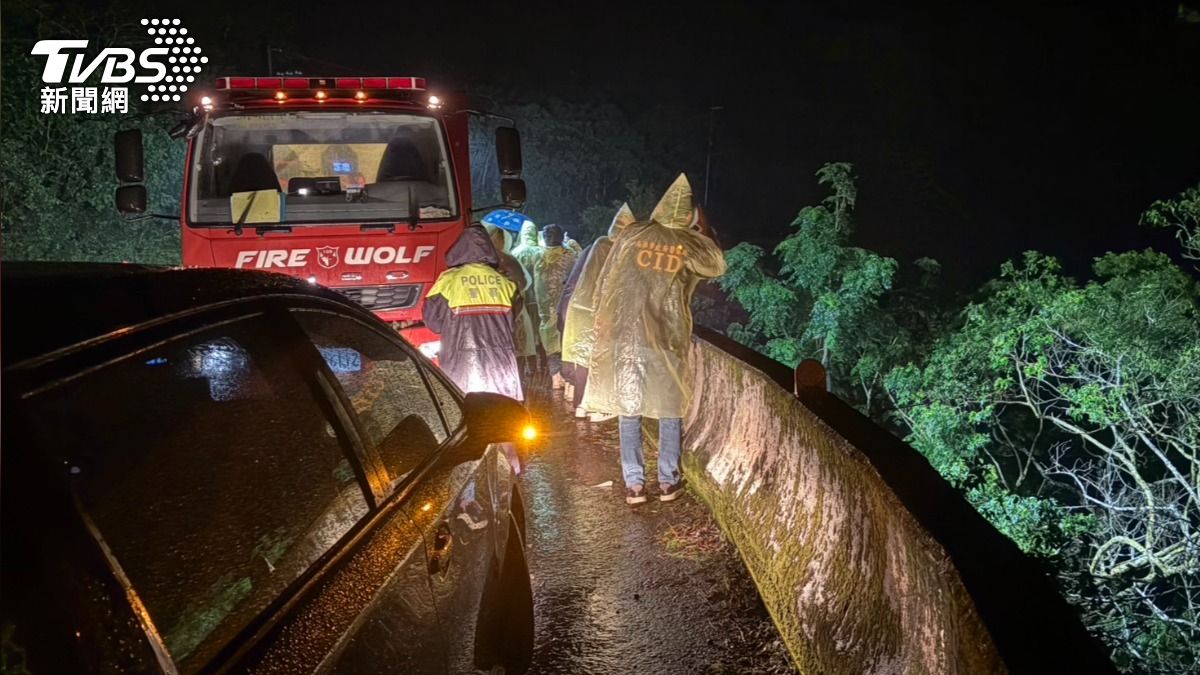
384 384
213 475
451 408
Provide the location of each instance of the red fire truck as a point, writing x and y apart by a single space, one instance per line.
355 183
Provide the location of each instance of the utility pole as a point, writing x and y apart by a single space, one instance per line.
271 50
712 123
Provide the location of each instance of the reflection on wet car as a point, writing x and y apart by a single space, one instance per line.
210 470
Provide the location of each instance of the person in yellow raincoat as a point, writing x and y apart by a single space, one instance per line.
644 330
577 308
529 344
527 248
550 270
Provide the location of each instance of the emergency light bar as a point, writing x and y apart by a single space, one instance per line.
402 83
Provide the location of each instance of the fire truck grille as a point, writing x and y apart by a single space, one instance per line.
384 297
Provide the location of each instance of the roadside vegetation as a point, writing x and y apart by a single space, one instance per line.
1067 410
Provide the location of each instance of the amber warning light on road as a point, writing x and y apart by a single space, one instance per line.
529 433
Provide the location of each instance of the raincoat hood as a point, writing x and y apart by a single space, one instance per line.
620 221
676 208
501 238
529 234
473 246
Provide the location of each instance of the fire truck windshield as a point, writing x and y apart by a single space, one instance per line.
316 167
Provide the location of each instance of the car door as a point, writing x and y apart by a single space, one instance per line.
383 389
464 541
229 494
456 506
379 596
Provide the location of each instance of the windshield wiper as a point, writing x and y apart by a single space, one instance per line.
414 210
260 230
367 227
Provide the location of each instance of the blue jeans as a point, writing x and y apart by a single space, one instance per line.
633 461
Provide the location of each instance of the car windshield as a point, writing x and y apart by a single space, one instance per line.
309 167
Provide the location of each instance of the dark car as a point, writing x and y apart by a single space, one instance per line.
228 471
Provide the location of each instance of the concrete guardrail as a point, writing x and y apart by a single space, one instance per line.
866 559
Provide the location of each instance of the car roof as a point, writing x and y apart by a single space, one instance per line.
51 306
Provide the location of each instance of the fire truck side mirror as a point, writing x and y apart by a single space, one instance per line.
131 199
512 192
130 159
508 152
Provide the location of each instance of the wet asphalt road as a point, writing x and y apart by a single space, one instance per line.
649 589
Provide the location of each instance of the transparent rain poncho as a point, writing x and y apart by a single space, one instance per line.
579 328
643 319
524 336
550 271
527 252
527 248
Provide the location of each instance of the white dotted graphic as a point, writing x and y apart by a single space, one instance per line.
171 32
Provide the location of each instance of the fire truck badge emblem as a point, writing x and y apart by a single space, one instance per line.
327 257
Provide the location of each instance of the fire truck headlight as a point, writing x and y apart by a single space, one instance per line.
435 101
431 349
312 280
206 102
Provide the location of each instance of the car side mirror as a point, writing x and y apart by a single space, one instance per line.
508 152
512 192
492 418
131 199
131 166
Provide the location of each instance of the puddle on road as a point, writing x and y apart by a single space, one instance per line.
621 590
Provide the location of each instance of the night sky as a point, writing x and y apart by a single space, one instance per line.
978 133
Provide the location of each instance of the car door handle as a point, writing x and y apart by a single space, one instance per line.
443 541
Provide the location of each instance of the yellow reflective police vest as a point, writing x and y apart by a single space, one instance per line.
475 288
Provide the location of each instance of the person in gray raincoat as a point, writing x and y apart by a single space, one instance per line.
472 305
643 325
